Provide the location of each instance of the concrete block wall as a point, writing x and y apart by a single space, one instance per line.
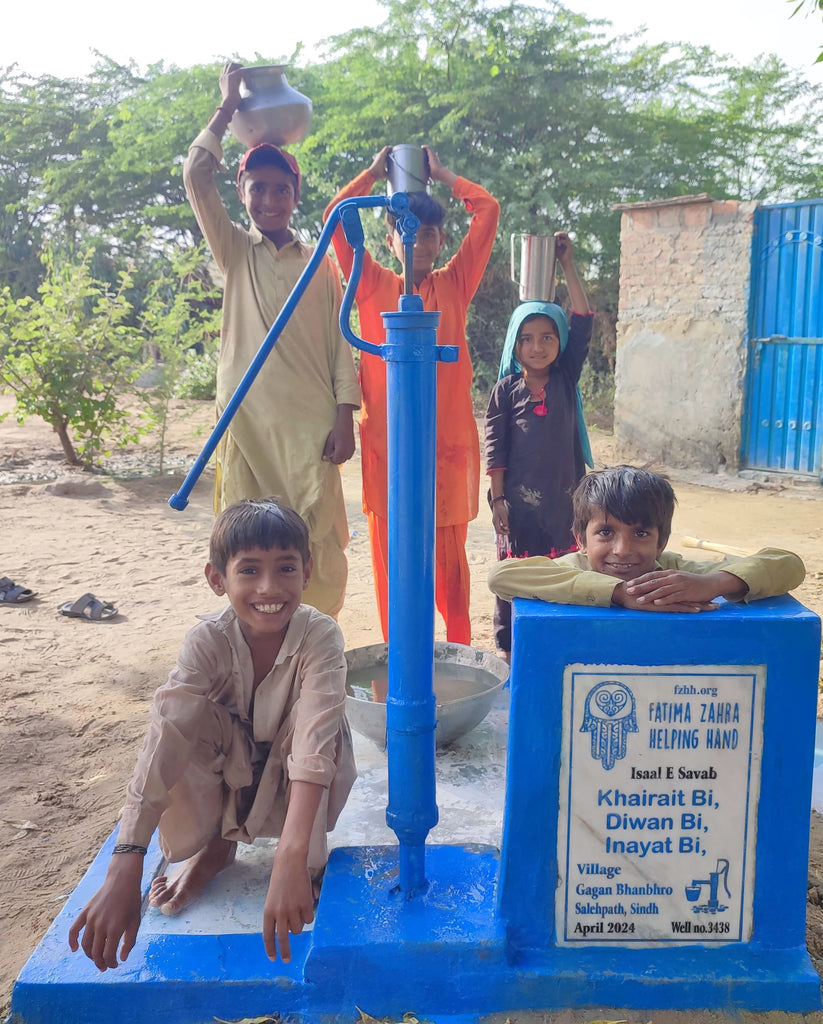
681 331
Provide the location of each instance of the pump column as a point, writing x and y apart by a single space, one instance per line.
410 353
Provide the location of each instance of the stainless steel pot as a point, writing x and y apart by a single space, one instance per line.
537 265
408 169
270 109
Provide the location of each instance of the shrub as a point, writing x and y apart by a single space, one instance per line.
69 355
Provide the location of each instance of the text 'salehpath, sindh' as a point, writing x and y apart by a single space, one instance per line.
659 782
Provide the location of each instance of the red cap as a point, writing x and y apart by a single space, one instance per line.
266 153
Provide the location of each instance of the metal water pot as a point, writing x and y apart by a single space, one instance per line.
537 263
270 110
408 169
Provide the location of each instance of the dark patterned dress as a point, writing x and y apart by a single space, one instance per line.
538 445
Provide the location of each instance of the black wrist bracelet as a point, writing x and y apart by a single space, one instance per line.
500 497
129 848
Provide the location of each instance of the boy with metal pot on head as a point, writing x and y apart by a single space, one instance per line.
448 289
295 425
537 446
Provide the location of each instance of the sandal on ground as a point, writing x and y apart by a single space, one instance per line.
13 593
89 607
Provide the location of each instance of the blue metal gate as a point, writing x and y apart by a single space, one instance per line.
783 413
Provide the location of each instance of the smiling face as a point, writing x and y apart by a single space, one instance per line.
538 344
619 549
268 194
264 588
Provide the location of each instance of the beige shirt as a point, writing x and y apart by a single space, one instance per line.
571 580
298 708
275 442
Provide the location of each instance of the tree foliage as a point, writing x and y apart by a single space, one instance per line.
561 123
555 116
68 355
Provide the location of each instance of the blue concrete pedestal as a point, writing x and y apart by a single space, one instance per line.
657 811
389 954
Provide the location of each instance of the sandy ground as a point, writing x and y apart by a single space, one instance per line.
75 694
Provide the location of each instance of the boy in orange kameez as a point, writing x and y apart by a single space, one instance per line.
448 290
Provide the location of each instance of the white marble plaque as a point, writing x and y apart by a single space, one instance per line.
659 783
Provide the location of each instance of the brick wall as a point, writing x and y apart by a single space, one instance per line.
681 329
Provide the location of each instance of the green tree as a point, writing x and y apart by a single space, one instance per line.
561 123
69 356
557 118
51 129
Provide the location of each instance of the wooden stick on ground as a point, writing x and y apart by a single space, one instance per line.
708 545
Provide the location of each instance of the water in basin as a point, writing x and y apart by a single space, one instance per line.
466 684
451 682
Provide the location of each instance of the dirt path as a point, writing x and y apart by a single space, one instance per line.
75 694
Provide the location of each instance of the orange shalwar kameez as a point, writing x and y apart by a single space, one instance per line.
449 290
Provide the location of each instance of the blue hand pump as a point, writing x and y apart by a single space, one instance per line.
411 354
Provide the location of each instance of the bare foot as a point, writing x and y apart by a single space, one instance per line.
504 656
171 895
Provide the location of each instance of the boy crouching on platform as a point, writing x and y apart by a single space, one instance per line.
247 738
622 521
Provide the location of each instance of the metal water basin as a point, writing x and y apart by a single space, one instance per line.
466 684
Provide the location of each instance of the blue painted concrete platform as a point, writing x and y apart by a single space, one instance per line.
209 961
444 956
440 956
362 935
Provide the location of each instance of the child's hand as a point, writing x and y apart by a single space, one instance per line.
563 249
500 518
289 904
379 166
112 914
665 587
230 78
437 172
339 446
623 599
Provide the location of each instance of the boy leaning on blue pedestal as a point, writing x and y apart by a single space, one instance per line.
247 738
622 521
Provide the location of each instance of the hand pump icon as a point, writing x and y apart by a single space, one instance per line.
411 353
712 905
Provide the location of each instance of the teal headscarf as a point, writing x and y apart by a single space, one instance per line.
509 363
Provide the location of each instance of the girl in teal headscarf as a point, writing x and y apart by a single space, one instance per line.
537 446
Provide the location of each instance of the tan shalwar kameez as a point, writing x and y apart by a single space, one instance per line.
274 444
216 760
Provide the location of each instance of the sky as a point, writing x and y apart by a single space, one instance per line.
67 33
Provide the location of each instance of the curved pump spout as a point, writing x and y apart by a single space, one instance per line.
398 203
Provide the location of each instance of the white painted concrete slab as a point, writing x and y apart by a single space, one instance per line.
470 794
